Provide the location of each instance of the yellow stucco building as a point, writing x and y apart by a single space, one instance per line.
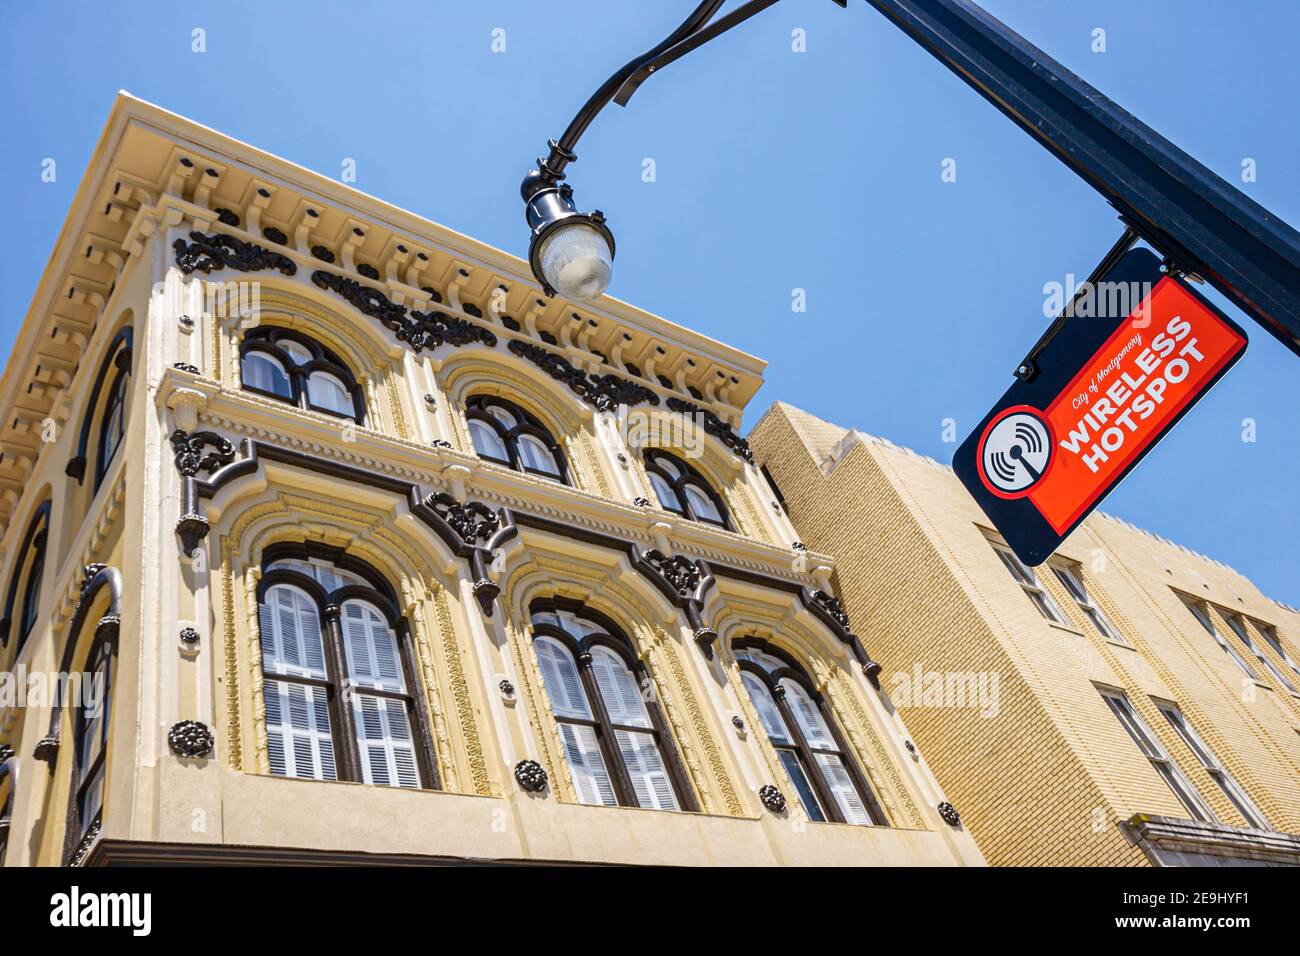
327 538
1128 702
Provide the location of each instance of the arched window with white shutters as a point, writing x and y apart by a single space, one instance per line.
616 743
802 730
339 682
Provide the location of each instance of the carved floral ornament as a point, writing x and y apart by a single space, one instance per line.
531 776
190 738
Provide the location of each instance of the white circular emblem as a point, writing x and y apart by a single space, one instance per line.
1016 452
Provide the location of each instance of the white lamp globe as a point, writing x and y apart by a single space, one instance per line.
576 261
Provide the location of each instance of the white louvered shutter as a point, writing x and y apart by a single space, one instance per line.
590 776
841 786
560 675
645 765
298 731
384 740
290 632
808 715
371 648
768 715
618 689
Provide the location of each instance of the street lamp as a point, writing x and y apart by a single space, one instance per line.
572 252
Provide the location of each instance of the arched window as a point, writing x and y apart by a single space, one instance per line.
802 729
112 425
90 753
23 599
505 433
105 415
292 367
616 743
327 623
682 489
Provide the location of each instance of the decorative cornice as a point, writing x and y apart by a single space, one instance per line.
604 392
715 426
212 253
419 330
190 738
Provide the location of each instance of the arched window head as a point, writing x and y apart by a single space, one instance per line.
505 433
341 697
292 367
683 490
616 742
802 730
23 596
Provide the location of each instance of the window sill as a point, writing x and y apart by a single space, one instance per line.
1127 647
1066 628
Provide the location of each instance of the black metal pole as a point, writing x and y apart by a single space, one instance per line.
1193 216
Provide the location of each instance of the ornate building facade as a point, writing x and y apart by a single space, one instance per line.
1128 702
327 538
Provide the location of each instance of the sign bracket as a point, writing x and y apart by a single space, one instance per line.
1028 368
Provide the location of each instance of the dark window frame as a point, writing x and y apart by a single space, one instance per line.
266 338
688 476
615 640
117 393
28 572
800 747
377 592
529 424
79 826
117 356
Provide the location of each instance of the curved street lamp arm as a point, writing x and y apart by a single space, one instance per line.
561 154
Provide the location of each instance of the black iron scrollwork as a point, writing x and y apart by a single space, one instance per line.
189 450
419 330
212 253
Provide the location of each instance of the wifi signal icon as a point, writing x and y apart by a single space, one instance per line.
1015 453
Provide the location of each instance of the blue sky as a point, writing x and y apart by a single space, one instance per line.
775 170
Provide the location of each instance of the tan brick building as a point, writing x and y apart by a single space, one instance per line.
1127 702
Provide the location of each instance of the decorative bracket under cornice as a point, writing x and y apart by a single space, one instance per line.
473 531
685 582
189 449
830 612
